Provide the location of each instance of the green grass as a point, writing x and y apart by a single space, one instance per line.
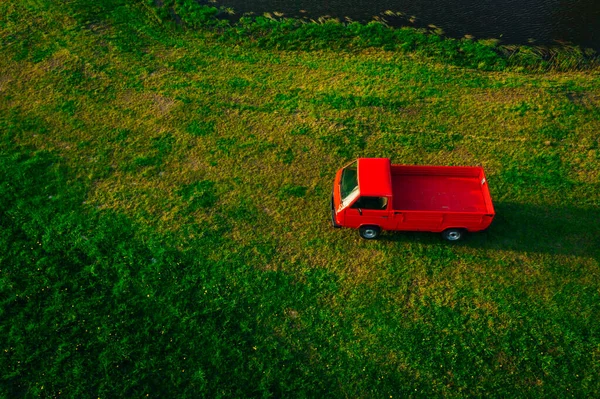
164 198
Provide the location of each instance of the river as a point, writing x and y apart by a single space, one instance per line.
511 21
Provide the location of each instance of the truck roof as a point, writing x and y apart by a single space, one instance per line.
374 177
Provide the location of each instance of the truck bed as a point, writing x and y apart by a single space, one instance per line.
440 188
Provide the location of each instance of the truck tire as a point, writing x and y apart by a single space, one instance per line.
369 232
454 234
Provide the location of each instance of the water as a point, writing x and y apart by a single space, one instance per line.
511 21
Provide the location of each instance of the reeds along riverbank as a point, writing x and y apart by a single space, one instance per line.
325 33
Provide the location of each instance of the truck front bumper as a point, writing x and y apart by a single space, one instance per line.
333 222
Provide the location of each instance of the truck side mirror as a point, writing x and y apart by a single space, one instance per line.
360 211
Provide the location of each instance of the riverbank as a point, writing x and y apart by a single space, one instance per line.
164 205
271 31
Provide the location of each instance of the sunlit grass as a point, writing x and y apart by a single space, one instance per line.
164 163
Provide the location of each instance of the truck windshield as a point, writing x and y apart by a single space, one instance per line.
349 184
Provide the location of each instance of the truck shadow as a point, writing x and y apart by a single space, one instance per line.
531 228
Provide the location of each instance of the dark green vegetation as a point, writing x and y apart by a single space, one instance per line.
164 211
292 34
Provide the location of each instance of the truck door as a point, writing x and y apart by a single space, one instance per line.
369 210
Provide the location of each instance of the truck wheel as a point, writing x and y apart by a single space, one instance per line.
454 234
369 232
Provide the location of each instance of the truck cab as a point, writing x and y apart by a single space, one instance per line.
372 195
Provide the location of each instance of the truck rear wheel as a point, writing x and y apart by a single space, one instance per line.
454 234
369 232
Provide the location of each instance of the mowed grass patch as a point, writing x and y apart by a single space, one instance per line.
192 205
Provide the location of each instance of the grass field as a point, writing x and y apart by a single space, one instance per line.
164 198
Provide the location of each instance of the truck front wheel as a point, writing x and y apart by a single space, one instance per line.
369 232
454 234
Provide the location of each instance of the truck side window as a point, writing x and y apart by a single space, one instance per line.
376 203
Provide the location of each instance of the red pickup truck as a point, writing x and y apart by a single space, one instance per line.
372 195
